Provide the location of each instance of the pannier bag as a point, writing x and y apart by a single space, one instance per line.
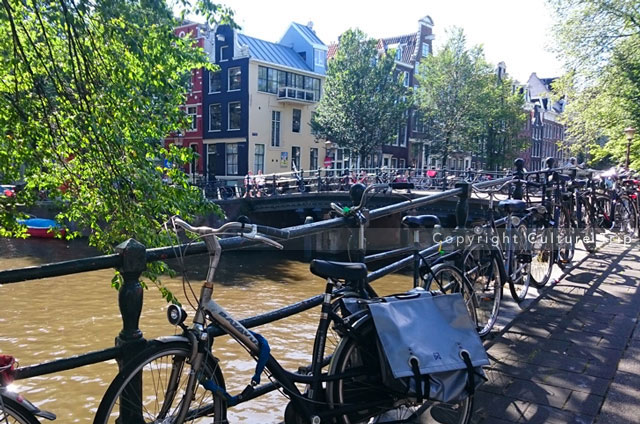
431 347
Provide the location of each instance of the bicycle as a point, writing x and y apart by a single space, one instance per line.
191 384
14 408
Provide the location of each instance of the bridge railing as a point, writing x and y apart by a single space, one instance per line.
322 180
131 259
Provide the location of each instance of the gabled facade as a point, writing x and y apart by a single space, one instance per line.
544 125
408 148
191 136
258 105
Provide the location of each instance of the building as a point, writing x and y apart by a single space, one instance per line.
258 104
408 149
192 135
544 128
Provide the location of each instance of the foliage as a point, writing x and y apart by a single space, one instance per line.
364 101
600 42
88 92
463 102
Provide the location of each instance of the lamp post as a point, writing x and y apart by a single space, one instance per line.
629 132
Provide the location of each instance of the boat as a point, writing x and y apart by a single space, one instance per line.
42 227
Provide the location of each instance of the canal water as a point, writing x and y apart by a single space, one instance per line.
53 318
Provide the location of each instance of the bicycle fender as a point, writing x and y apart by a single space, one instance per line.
30 407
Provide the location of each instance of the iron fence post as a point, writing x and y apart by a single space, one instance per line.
462 206
518 174
130 340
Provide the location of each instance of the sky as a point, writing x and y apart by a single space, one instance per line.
516 32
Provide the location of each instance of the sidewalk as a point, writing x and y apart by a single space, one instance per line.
574 355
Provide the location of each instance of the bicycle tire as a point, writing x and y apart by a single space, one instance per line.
542 254
566 238
625 216
12 412
602 208
175 366
448 279
589 232
520 277
481 266
365 386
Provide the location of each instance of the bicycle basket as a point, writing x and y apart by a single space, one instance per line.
431 347
7 369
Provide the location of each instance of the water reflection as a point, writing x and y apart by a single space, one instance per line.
59 317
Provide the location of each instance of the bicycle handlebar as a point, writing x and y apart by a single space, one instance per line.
249 231
345 211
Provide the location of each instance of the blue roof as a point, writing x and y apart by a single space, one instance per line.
308 32
273 53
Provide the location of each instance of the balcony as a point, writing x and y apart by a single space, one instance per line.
296 95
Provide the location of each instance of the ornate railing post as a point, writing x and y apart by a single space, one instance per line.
462 206
130 339
518 175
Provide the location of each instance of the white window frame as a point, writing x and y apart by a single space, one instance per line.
229 116
222 50
211 129
211 74
192 113
229 78
258 153
231 149
425 46
275 128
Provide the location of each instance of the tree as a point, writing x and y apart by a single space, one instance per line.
364 100
462 103
599 41
88 92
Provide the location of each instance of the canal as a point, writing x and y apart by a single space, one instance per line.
52 318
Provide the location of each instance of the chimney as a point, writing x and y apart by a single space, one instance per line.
310 25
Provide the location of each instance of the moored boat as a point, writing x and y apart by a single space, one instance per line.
42 227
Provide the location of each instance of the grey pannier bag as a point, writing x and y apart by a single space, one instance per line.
431 347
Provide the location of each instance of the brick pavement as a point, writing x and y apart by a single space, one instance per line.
573 356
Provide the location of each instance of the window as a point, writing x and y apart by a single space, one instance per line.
215 117
295 126
401 163
394 163
295 157
399 53
194 159
319 58
313 158
405 81
235 116
192 112
215 82
223 54
425 49
402 137
211 161
234 78
269 80
258 160
232 158
275 128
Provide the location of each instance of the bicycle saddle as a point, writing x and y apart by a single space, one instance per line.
421 221
512 205
338 270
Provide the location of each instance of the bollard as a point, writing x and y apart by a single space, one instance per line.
275 186
130 340
518 174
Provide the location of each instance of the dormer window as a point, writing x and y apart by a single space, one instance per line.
399 53
319 57
425 49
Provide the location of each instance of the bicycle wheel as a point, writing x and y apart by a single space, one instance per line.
358 359
12 412
163 369
602 207
449 279
625 216
590 231
566 237
520 264
481 266
542 253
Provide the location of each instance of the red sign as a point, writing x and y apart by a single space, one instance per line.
327 162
